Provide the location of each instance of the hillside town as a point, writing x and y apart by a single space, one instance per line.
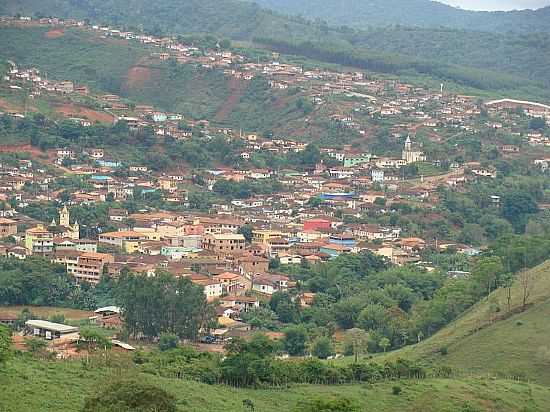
237 248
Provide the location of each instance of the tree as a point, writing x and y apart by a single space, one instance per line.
260 318
91 340
322 347
199 200
295 340
310 156
346 311
5 344
287 310
65 196
537 123
162 304
130 395
526 280
248 363
516 207
57 318
384 343
246 231
372 317
487 273
357 341
274 263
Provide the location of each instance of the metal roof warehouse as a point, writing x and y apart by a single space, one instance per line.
49 330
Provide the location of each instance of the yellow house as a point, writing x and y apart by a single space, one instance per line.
149 232
129 240
38 240
264 236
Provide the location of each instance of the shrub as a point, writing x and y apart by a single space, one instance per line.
444 351
326 405
396 389
168 341
130 395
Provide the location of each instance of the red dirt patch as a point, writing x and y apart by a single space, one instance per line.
55 33
237 88
5 105
71 110
137 77
46 311
26 148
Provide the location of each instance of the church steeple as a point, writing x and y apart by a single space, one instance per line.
408 144
64 217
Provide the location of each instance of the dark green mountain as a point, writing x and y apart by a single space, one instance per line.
423 13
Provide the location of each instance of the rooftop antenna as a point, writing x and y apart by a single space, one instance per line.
441 89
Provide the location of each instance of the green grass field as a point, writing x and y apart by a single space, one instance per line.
39 386
486 349
483 341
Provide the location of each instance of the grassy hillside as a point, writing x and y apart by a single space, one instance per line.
423 13
114 66
485 340
53 386
101 63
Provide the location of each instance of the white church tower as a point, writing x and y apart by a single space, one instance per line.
64 217
410 155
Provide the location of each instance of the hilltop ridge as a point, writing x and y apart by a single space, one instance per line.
422 13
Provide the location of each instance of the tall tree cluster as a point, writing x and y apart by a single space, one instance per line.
162 304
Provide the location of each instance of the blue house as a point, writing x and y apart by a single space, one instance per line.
342 239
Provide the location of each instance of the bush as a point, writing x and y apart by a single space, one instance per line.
130 395
366 372
5 344
396 390
326 405
444 351
168 341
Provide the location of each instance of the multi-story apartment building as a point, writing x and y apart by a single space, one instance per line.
39 241
224 243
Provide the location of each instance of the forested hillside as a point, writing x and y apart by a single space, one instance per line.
513 62
489 79
424 13
525 55
228 17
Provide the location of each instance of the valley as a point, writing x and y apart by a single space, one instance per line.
237 206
